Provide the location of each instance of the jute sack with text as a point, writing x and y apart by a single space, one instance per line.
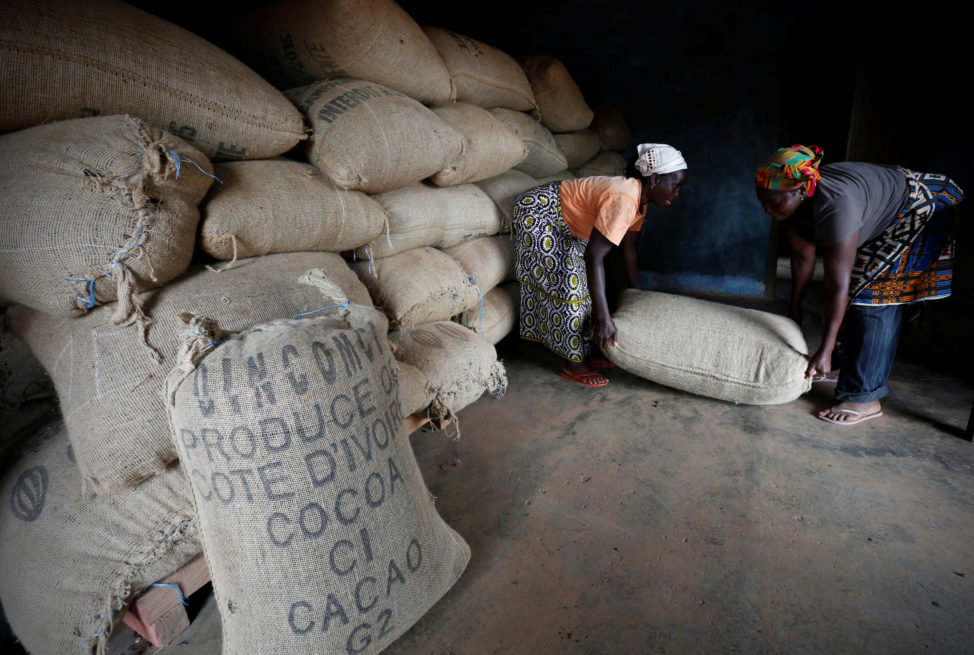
319 532
488 260
579 147
279 205
371 138
560 101
504 189
297 42
607 162
61 59
544 155
418 286
612 127
499 316
741 355
70 562
459 364
482 74
96 209
425 215
111 389
489 148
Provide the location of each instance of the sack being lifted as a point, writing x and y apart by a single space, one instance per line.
725 352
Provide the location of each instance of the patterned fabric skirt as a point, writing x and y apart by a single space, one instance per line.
555 304
912 260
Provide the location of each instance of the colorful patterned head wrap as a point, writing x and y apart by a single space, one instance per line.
658 158
790 168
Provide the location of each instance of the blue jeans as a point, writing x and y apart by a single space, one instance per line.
870 334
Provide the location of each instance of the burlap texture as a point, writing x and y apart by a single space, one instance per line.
70 562
499 317
414 393
612 127
62 59
109 386
560 176
560 101
579 147
504 189
425 215
741 355
544 155
607 162
279 205
95 209
482 75
488 260
489 148
298 42
371 138
459 364
418 286
320 534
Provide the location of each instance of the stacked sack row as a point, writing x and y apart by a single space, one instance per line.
137 154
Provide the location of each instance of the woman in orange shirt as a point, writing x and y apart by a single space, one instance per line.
563 230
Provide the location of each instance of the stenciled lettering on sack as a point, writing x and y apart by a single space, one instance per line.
291 56
29 494
305 617
352 98
327 66
184 132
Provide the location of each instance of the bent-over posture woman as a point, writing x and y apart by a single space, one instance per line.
563 231
887 240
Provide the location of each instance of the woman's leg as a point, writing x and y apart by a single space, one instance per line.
871 334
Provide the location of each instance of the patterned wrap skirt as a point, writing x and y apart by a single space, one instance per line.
556 307
912 260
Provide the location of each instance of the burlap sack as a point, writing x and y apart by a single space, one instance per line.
559 176
95 209
612 127
279 205
560 101
320 534
482 75
607 162
297 42
579 147
110 389
414 394
499 316
418 286
487 260
741 355
370 138
504 189
62 59
489 148
70 563
424 215
544 155
459 364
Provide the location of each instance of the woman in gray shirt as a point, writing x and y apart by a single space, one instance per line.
886 242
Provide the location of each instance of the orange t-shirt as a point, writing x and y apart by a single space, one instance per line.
609 203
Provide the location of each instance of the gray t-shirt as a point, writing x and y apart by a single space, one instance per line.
856 196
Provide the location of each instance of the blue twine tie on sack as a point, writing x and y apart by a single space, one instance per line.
345 304
215 342
179 159
482 303
178 591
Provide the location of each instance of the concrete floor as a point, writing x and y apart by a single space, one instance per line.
641 519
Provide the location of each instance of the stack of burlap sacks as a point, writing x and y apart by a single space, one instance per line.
251 409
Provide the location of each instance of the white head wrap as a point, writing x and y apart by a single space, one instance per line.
658 158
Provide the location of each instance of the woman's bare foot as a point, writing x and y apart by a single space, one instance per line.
851 413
